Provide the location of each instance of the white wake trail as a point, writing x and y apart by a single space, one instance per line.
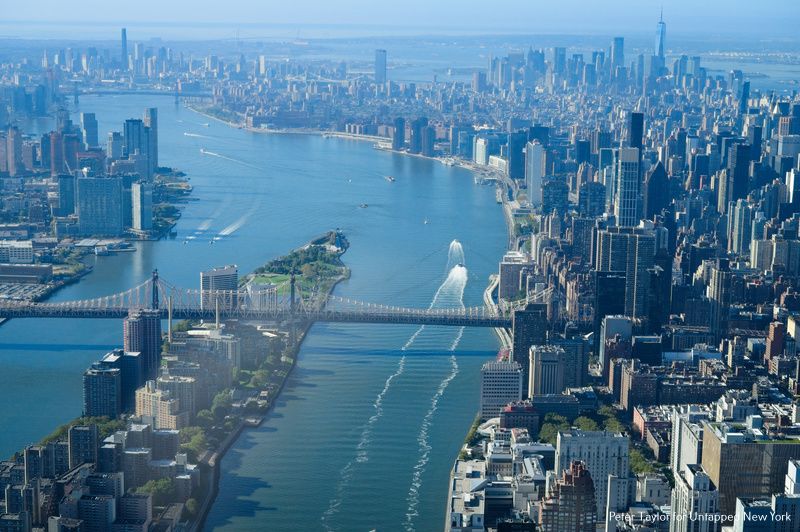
425 447
451 293
231 159
362 455
238 224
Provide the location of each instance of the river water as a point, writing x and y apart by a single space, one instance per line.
370 421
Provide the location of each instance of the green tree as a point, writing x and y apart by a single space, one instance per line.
639 462
586 423
162 490
221 404
204 419
192 507
553 424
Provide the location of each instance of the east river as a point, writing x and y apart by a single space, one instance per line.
371 419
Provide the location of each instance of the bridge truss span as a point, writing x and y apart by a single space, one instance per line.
269 304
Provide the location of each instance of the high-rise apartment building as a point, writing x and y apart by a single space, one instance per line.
546 370
571 502
142 334
142 207
89 129
151 130
604 453
528 328
695 502
628 197
160 407
102 392
219 286
628 250
99 206
82 441
501 383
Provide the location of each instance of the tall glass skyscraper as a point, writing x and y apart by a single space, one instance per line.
380 67
661 35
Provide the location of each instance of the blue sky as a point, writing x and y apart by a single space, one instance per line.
764 17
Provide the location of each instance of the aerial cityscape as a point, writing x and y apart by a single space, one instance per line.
348 267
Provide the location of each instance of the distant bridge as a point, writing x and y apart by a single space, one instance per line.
193 93
271 304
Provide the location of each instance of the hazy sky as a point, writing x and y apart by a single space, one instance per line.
762 17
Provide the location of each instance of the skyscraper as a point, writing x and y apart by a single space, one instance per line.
740 227
636 130
609 300
528 327
661 36
131 370
570 505
82 440
617 53
546 370
399 134
656 191
134 137
516 157
13 150
219 285
89 129
630 250
66 194
738 171
142 333
428 141
380 67
417 125
151 132
99 206
142 206
501 383
102 392
719 295
627 203
534 171
123 57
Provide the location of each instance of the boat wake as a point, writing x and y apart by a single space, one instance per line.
196 135
231 159
362 448
205 225
238 224
425 446
449 295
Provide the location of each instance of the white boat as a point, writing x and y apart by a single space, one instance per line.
390 178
